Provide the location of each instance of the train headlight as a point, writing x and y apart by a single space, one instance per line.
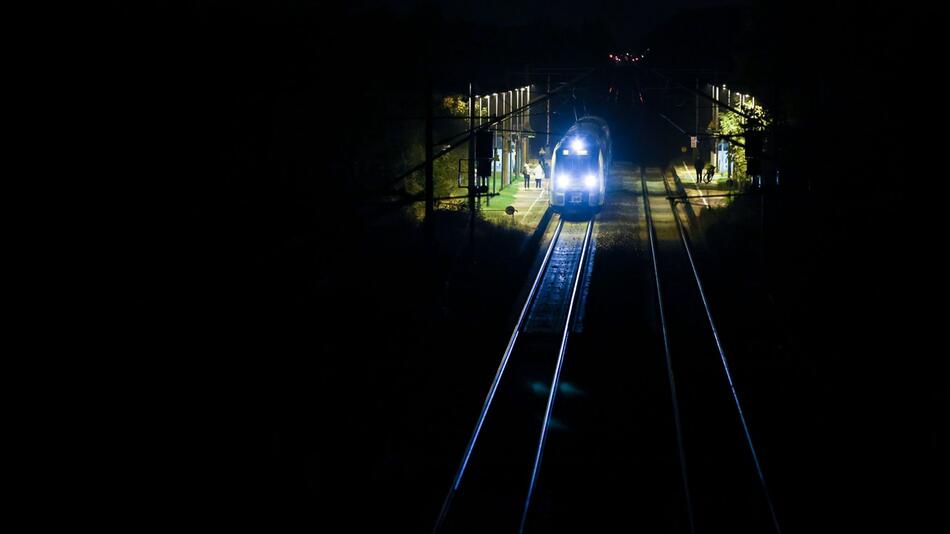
590 181
564 181
577 145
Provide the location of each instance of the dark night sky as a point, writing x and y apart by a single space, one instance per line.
625 18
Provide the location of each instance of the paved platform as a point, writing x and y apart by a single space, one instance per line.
530 202
687 174
683 175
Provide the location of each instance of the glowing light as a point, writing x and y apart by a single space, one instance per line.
570 390
563 181
590 181
577 145
566 152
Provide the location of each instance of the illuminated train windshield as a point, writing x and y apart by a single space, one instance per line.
580 164
576 166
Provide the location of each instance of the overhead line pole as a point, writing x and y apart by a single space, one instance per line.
472 188
547 139
704 95
490 123
461 138
728 138
430 182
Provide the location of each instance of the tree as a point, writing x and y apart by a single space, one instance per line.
735 125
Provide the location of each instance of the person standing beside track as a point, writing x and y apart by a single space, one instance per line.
542 162
699 165
527 177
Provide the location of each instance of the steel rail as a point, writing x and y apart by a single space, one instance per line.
497 379
725 363
669 360
557 374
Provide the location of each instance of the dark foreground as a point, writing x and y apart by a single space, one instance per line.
302 367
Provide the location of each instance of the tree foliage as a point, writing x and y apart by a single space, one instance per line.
445 169
735 125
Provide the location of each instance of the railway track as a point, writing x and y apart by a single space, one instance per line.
722 476
493 487
722 480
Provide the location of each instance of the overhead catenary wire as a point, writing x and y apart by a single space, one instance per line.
701 94
453 117
727 137
468 134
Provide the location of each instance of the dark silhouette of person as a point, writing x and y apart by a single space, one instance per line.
527 177
699 168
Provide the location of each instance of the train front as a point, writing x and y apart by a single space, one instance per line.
577 166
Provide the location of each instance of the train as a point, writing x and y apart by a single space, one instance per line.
579 166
